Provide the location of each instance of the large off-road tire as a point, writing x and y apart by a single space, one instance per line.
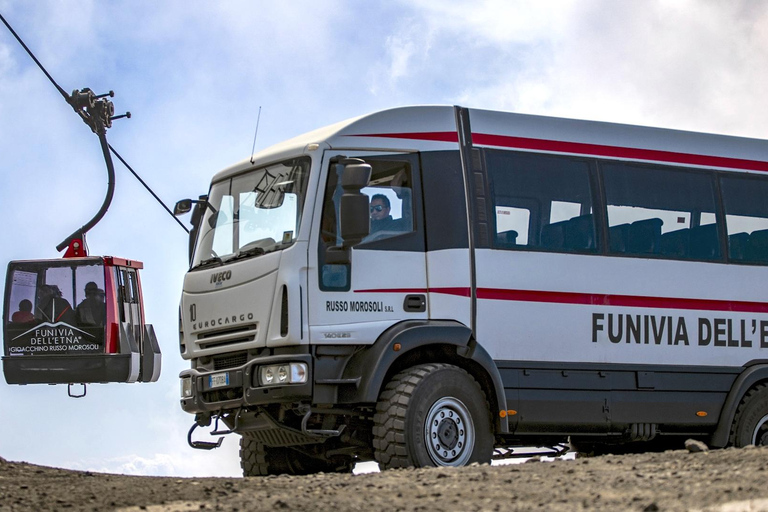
432 415
256 459
750 425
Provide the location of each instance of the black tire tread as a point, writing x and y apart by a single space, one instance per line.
253 457
389 443
740 410
258 460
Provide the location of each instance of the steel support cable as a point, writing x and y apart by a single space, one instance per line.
135 174
62 91
104 144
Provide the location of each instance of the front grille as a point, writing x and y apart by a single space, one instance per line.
230 361
241 334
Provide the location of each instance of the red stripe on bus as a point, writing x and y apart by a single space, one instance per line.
395 290
618 152
637 301
580 148
461 292
594 299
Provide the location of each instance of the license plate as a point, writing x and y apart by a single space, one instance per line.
218 380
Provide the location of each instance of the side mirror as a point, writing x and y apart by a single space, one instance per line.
355 176
185 206
355 223
182 207
354 220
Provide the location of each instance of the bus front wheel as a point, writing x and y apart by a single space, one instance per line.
432 415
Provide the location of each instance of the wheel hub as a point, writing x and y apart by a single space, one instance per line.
449 433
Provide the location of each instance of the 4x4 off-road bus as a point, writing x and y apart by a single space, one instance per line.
423 286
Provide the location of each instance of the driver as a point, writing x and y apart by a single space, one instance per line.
381 220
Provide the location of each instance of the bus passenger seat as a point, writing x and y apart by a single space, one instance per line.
758 246
705 244
506 239
618 237
553 235
580 233
676 243
645 236
738 246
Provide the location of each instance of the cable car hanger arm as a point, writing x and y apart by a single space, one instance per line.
80 233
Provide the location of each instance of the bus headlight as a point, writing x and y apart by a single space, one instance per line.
186 387
278 374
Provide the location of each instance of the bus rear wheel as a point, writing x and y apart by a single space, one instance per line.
750 426
432 415
257 459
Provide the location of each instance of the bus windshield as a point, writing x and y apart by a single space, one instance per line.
253 213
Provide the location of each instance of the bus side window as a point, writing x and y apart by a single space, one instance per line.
660 212
746 217
542 202
512 224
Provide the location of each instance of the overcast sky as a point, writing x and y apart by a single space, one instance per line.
194 73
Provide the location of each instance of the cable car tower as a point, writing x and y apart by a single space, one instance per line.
78 319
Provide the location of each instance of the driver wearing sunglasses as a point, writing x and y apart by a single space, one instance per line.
380 217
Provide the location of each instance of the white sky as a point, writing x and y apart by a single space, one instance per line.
194 73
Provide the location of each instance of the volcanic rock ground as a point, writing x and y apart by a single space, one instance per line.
718 480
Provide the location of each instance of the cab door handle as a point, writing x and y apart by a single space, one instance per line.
415 303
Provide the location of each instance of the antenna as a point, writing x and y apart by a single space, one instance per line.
255 134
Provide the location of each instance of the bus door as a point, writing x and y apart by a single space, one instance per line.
385 279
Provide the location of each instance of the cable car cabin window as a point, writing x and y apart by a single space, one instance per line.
128 296
746 218
661 212
55 308
542 202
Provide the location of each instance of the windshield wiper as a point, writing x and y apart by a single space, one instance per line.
209 261
253 251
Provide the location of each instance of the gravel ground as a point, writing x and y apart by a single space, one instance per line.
718 480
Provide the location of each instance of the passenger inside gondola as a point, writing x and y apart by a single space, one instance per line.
92 311
52 307
24 314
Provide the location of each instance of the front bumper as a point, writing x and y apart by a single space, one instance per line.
243 388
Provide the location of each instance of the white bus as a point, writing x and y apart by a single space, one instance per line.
423 285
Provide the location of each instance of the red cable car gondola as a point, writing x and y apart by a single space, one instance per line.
79 319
